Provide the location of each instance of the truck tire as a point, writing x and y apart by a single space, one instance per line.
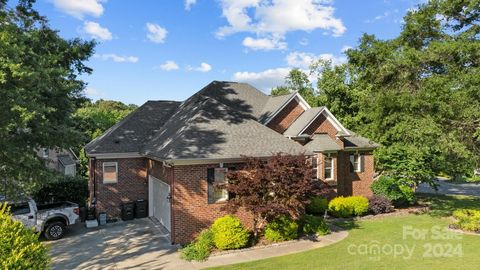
55 230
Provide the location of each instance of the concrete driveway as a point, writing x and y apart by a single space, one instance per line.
444 187
136 244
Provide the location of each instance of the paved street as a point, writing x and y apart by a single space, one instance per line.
448 188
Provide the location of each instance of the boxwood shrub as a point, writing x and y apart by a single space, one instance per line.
229 233
317 206
281 229
348 206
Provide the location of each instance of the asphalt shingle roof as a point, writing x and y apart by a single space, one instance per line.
222 120
357 141
321 143
302 121
207 128
273 104
130 134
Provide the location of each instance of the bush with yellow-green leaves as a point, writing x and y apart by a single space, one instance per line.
19 246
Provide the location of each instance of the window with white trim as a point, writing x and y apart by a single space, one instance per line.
328 168
315 167
355 163
110 172
216 177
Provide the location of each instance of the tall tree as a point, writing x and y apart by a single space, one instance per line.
297 81
418 93
92 119
40 90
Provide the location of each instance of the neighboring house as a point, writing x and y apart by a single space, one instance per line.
172 153
62 160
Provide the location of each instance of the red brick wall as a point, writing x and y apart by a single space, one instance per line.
356 183
286 117
191 210
132 185
322 125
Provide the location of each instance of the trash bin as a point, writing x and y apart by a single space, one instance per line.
128 211
102 218
141 209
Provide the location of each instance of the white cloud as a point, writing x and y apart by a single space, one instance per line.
303 42
156 33
97 31
346 48
204 67
89 91
117 58
80 8
169 66
264 44
189 4
303 60
264 80
273 19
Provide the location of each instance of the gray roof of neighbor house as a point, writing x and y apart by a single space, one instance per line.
66 160
302 121
130 134
322 143
356 141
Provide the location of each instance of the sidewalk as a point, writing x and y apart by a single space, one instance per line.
266 252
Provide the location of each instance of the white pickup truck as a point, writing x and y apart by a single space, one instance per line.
51 219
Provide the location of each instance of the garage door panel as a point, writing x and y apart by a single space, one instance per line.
159 196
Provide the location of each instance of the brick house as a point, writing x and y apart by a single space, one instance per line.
171 153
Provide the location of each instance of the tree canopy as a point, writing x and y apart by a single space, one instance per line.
417 94
40 90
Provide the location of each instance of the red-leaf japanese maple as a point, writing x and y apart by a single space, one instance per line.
280 185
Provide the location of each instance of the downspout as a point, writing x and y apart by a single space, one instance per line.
172 212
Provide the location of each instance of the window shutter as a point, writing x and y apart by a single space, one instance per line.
352 158
210 175
362 163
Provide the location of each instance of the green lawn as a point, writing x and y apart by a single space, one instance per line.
426 252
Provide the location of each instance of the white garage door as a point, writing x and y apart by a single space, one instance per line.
159 197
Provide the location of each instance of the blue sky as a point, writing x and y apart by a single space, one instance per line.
169 49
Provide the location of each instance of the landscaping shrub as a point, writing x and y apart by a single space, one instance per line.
379 204
199 250
314 224
73 189
317 206
399 194
348 206
467 219
19 246
281 229
229 233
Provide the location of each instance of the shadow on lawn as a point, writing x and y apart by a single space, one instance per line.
444 205
347 224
